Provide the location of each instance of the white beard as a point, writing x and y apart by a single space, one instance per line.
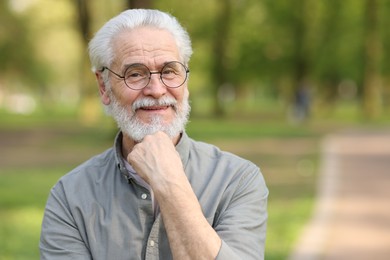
134 128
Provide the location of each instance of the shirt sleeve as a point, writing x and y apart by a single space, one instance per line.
60 236
242 225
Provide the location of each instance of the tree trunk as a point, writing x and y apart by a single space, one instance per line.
136 4
386 59
372 53
220 43
90 107
300 90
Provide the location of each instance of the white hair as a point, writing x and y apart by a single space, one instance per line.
100 47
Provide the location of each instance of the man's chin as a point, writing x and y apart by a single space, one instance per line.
138 133
154 120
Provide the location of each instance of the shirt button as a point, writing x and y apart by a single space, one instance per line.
144 196
151 243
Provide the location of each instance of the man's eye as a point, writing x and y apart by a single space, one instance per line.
170 71
135 74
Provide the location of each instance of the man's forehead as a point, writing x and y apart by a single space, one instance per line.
145 43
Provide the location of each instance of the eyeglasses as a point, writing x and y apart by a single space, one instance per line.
137 76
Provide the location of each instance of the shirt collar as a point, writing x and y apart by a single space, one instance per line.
118 156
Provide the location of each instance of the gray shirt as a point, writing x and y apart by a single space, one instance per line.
98 211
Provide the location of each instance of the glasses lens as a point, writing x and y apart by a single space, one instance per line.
174 74
137 76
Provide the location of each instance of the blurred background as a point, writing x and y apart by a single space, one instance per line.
269 79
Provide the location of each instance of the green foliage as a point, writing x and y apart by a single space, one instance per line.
18 58
270 40
271 46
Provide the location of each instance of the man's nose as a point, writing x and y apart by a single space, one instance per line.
156 87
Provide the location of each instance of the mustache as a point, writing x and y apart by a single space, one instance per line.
149 102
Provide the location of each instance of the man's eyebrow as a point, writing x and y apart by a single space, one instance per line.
140 63
132 64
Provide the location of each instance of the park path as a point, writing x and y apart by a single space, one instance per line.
351 219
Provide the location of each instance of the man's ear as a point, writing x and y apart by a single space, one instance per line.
105 98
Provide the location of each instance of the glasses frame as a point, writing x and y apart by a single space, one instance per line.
150 74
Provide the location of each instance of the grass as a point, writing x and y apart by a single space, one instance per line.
287 154
23 194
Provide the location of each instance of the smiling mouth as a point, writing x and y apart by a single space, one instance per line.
154 108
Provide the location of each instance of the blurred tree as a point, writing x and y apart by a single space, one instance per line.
287 52
251 51
338 52
385 32
134 4
300 61
19 61
247 45
219 55
89 105
84 19
372 54
328 58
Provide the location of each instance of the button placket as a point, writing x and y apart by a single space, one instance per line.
152 248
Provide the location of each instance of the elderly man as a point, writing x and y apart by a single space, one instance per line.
157 194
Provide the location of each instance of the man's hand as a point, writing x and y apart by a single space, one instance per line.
156 160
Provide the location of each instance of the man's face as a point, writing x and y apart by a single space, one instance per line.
155 107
